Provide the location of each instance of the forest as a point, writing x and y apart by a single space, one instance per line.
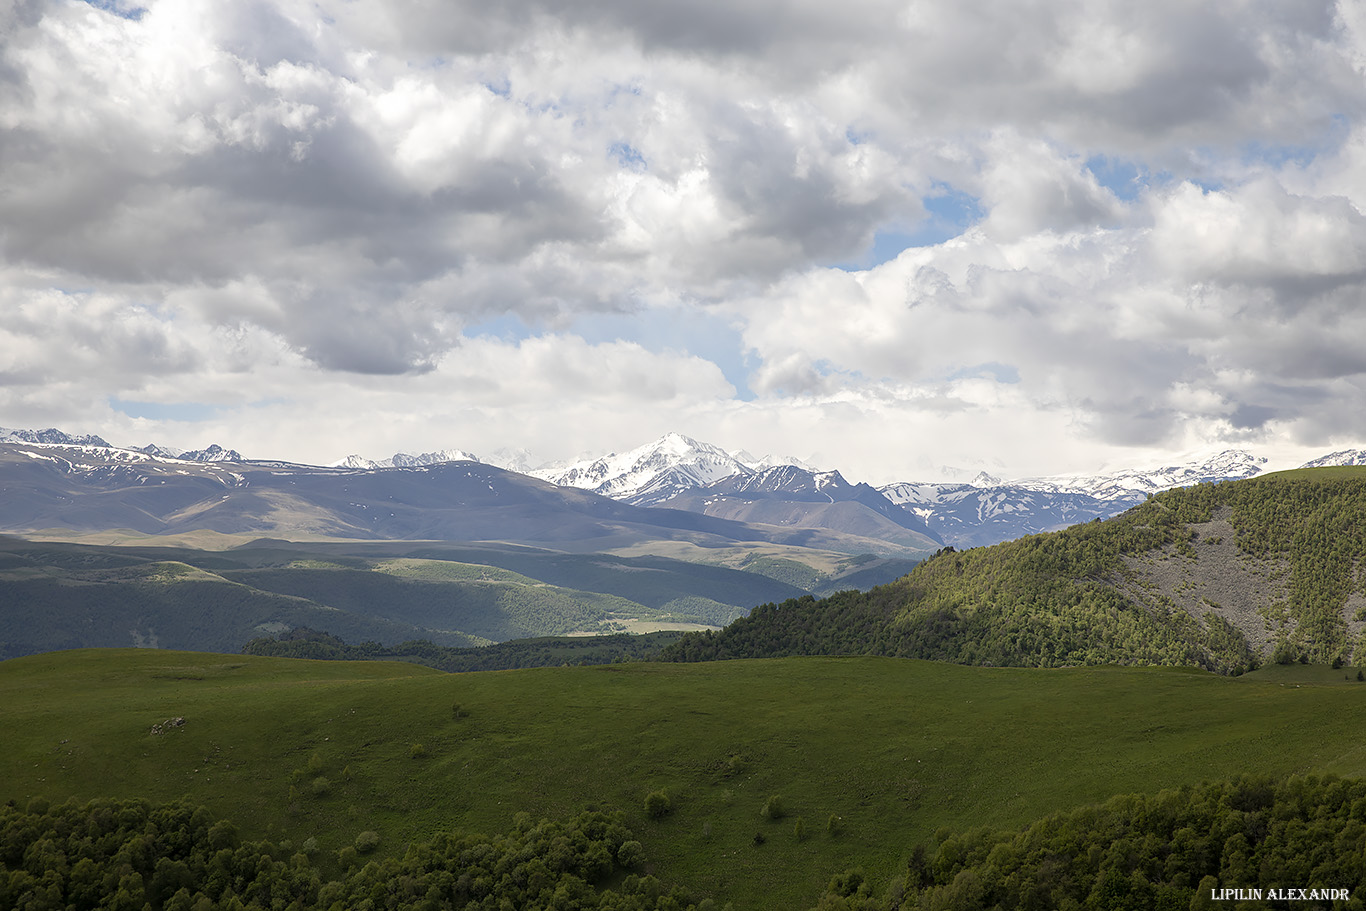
129 855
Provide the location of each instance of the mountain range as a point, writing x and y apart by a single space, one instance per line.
780 494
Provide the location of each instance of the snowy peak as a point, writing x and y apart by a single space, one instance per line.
214 453
157 451
52 437
405 460
1342 457
673 462
1136 484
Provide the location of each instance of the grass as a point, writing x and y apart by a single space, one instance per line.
894 748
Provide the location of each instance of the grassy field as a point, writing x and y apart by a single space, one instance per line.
894 748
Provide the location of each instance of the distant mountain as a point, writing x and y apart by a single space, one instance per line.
95 489
649 474
51 436
964 515
1134 485
406 460
989 510
158 451
214 453
792 497
1343 457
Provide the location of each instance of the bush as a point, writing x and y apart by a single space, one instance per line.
367 841
631 854
773 808
832 825
658 805
799 830
321 786
417 751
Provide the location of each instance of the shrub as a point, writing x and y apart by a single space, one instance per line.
773 808
657 805
367 841
321 786
417 751
832 825
799 830
631 854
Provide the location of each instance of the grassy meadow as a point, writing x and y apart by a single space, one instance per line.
893 748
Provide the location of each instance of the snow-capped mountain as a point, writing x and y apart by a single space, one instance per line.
406 460
157 451
213 453
51 436
989 510
671 464
967 515
1133 485
1343 457
791 497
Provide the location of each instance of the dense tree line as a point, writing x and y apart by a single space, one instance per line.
1169 852
1052 599
132 856
516 653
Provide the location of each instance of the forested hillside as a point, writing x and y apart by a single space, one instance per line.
1170 851
1103 592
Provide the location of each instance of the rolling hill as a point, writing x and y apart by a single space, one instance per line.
1223 576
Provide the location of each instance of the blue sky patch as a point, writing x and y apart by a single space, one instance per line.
1118 175
627 156
119 8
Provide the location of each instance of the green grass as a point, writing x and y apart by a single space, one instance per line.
896 748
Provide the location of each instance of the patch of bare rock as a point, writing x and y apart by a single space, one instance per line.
1248 592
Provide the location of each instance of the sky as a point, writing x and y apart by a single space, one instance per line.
1034 238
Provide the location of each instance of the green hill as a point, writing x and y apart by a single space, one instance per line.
1221 576
894 750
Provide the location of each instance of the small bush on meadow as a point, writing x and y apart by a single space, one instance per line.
658 805
773 808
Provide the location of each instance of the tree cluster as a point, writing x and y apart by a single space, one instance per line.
128 855
1146 853
547 651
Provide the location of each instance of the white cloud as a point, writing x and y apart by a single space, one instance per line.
311 206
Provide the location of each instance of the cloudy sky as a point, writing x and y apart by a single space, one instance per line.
884 236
